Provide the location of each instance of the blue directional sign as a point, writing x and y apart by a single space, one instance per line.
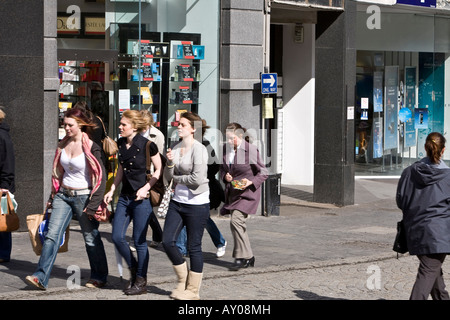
421 3
269 83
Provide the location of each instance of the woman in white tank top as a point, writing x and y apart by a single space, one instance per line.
78 185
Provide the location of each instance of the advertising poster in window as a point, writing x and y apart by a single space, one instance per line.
421 123
431 95
391 108
377 137
378 91
410 102
431 88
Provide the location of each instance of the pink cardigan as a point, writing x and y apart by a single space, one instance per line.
98 178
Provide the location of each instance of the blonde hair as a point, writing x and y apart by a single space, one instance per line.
148 117
136 119
2 115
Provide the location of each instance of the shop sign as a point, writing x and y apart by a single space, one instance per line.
63 28
421 3
94 26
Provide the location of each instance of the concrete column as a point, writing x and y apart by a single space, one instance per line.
28 81
242 62
335 92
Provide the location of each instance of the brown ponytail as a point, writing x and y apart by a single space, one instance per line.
434 145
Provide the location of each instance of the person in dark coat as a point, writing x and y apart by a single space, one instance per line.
423 195
7 175
243 173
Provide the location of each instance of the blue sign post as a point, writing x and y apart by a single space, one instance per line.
269 83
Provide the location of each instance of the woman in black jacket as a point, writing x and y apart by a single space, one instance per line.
423 194
7 165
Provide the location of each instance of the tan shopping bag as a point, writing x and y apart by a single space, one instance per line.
33 222
9 221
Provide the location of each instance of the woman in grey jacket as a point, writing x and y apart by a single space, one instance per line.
187 165
423 195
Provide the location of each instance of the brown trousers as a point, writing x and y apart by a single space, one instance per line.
242 248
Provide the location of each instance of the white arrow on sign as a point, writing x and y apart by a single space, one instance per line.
271 80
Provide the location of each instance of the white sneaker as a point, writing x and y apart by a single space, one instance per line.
221 250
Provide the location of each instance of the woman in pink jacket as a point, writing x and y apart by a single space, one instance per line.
243 173
78 185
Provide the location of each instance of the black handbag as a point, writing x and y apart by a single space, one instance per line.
400 245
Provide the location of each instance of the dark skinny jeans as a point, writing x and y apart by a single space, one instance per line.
194 217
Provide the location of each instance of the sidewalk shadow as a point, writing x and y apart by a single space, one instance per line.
155 290
308 295
23 268
211 258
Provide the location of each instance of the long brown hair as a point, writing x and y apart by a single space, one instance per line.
84 120
434 145
194 118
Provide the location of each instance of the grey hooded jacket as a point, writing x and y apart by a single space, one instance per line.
423 195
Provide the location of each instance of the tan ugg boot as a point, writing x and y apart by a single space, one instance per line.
192 291
181 271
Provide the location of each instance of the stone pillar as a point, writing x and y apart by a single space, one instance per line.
335 92
29 88
241 65
242 62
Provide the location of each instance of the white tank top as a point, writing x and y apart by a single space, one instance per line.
76 172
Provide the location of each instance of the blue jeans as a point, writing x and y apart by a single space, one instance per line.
64 207
139 211
194 217
214 233
5 245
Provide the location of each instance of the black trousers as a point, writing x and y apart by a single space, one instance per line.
429 278
156 227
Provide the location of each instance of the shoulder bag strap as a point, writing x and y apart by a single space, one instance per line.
103 125
148 161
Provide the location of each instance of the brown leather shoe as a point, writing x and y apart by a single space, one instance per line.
139 287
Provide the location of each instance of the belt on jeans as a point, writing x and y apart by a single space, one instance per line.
74 192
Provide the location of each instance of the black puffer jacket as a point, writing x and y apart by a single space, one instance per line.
423 194
7 162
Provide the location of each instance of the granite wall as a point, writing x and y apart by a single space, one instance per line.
29 84
335 92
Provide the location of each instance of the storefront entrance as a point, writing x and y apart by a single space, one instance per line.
403 76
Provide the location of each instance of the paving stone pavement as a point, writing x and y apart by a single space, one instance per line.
310 252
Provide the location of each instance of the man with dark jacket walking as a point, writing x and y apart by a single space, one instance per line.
6 180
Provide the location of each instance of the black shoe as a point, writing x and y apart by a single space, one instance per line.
242 263
130 283
249 262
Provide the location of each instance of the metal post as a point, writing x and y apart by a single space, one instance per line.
140 53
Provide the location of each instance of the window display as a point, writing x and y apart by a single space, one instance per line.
82 81
167 83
